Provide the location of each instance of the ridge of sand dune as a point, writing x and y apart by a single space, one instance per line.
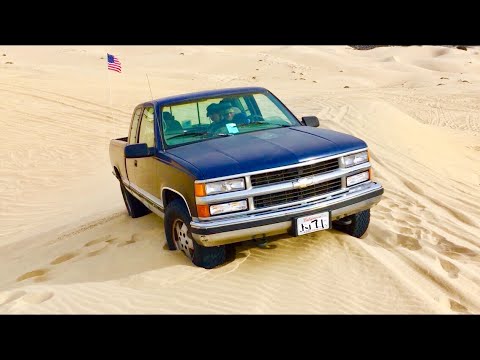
67 244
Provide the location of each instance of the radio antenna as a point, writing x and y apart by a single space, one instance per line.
149 86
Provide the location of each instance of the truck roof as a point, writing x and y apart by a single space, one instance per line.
204 94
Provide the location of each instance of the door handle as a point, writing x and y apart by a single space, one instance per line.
135 162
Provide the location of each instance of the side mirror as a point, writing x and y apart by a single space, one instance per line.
311 121
137 151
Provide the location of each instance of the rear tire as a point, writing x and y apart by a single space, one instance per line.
179 236
134 206
358 224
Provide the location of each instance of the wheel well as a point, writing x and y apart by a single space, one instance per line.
169 196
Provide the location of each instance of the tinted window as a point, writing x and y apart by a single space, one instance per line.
146 134
269 110
186 114
209 118
132 138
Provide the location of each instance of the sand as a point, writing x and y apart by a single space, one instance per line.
68 246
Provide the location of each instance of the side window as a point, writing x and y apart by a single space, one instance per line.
132 138
146 134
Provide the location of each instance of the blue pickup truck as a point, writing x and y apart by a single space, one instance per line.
231 165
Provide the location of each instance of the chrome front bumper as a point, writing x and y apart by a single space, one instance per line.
256 226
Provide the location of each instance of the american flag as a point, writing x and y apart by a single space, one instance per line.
114 64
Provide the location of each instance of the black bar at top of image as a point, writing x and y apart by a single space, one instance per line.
242 25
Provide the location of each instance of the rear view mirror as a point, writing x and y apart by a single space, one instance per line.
311 121
137 151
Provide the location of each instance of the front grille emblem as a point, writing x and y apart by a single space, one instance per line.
302 183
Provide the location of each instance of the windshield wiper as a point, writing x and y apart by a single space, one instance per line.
252 123
264 123
197 133
281 125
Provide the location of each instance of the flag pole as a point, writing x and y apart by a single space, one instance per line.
110 99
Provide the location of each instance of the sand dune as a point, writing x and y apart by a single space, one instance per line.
67 244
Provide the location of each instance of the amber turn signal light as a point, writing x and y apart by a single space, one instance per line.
200 190
203 210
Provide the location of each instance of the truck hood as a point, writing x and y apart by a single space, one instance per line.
262 150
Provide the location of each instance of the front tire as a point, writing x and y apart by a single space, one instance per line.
179 236
355 225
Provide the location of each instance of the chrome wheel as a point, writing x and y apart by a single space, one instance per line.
179 237
182 239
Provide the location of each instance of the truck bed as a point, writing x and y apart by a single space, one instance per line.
117 155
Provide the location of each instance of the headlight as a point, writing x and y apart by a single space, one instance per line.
355 159
228 207
358 178
219 187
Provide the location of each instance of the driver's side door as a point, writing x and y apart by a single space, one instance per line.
146 177
130 163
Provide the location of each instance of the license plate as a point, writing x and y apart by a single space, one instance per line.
312 223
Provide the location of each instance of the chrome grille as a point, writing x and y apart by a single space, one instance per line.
278 176
285 197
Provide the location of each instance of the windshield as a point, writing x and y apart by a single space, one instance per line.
210 118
